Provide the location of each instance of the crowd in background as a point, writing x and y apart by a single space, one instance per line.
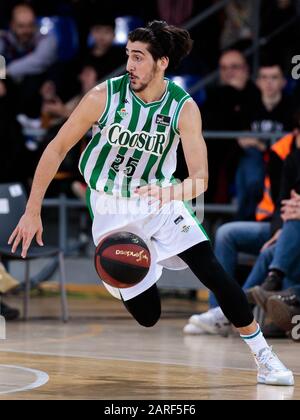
49 71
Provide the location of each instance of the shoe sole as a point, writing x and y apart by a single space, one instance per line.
279 314
288 381
210 330
205 327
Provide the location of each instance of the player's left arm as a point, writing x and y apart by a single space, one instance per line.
195 152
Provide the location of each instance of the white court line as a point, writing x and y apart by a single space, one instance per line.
41 379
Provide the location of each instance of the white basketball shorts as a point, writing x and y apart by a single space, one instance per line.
167 231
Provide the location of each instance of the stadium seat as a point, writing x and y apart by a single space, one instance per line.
187 82
12 206
65 31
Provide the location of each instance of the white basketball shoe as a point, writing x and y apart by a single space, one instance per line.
212 321
270 369
192 329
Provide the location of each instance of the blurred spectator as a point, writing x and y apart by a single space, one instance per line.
238 25
13 154
282 263
102 54
282 307
28 54
271 114
258 238
54 113
54 110
26 51
223 111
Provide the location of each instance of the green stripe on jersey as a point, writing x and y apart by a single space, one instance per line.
161 129
159 174
107 147
107 106
138 153
177 113
123 150
88 151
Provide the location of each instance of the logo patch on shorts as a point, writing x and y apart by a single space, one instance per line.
178 220
163 120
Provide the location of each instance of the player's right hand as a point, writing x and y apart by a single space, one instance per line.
29 226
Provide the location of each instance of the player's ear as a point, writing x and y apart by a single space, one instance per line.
164 63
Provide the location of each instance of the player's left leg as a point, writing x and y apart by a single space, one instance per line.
202 261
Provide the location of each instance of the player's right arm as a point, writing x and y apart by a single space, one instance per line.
84 116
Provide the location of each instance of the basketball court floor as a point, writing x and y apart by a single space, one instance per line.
103 354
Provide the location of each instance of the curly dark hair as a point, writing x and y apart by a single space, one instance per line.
164 41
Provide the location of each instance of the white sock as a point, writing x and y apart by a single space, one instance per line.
256 341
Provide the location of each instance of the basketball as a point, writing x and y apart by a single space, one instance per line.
122 260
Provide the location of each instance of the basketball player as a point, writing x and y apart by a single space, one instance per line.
138 121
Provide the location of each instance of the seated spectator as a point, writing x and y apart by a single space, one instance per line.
28 54
54 111
102 54
253 237
282 307
279 266
223 111
272 113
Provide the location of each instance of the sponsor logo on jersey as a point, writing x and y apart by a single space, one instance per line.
123 113
163 120
118 136
178 220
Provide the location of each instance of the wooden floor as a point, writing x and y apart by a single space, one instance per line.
102 354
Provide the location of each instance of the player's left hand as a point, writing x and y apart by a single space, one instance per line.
154 193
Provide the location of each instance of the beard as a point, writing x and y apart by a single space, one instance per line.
139 89
143 85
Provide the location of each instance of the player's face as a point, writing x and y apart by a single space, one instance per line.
141 66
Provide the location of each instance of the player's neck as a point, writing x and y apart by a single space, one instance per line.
154 91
